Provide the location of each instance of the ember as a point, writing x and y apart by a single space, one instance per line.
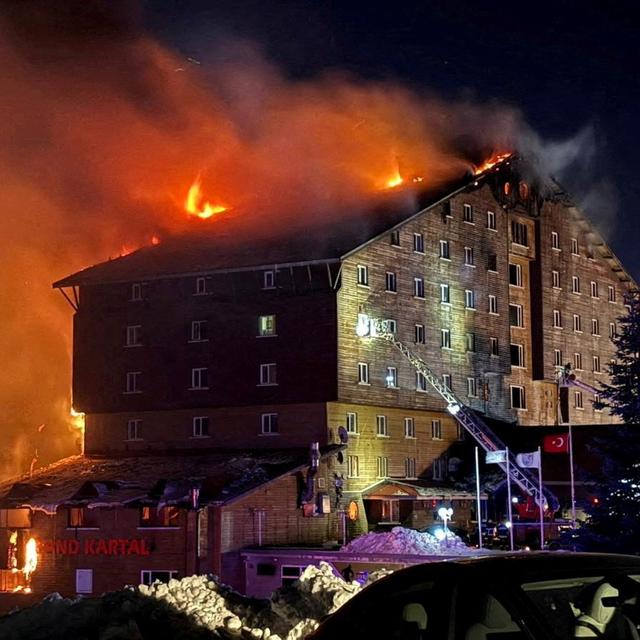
195 206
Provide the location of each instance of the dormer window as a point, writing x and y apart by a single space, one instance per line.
269 279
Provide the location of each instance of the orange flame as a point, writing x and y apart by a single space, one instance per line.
30 559
196 207
490 162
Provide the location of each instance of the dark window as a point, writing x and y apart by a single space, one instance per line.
519 233
394 239
492 262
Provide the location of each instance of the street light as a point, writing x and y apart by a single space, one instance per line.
445 514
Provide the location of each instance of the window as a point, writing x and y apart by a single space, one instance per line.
363 275
133 382
597 403
555 240
557 319
444 249
445 338
595 327
390 325
200 427
200 378
574 246
352 422
418 332
268 423
577 361
421 382
84 580
363 373
201 286
515 274
577 323
594 289
391 282
470 342
83 518
519 233
515 315
472 389
468 256
558 360
382 429
438 469
575 284
134 335
493 346
446 381
492 262
578 402
290 574
151 516
409 428
447 211
418 243
491 220
596 364
268 374
517 355
136 292
269 279
134 429
613 331
518 400
410 468
394 238
198 331
392 378
467 213
383 467
418 287
353 466
493 304
149 577
469 299
436 430
611 294
555 279
444 294
267 325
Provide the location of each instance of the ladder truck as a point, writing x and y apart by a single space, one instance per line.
370 327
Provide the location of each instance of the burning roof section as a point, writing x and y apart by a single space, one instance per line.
215 478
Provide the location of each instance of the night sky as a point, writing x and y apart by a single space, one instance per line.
568 66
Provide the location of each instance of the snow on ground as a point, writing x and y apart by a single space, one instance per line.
201 608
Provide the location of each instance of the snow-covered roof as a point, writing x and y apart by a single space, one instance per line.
416 489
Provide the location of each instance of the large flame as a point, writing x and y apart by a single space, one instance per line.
195 204
30 559
491 162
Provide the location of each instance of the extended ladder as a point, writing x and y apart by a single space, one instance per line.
483 435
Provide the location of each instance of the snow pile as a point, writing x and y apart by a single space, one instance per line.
409 542
198 607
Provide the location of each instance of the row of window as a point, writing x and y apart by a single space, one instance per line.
382 427
555 243
576 287
150 517
577 324
439 466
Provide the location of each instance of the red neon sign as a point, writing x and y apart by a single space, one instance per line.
96 547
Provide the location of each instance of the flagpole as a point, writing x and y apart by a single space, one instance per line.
541 504
573 485
509 499
479 506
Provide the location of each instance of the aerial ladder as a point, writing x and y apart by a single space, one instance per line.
375 328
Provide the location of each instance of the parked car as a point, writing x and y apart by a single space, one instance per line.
532 596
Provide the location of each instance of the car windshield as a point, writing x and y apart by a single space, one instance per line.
606 605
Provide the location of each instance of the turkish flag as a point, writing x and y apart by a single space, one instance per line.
558 443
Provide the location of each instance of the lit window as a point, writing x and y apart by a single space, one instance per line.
363 373
469 299
392 378
134 429
134 335
515 274
557 358
421 382
269 279
596 364
470 342
148 577
555 279
575 284
577 400
493 346
594 289
491 220
468 256
577 361
577 323
268 374
394 238
517 355
200 427
353 466
409 428
574 246
267 325
515 315
352 422
383 467
418 243
200 378
83 518
595 327
418 287
382 429
168 516
555 240
493 304
198 331
363 275
519 233
518 400
410 468
523 190
467 213
391 282
611 295
472 388
444 249
445 338
268 423
444 294
390 325
132 384
557 319
201 286
419 333
446 381
136 292
436 430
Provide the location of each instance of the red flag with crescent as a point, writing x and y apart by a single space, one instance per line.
557 443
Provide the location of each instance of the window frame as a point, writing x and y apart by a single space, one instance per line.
200 427
199 379
269 424
363 374
134 427
268 374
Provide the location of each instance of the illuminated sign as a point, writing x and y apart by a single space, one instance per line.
95 547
